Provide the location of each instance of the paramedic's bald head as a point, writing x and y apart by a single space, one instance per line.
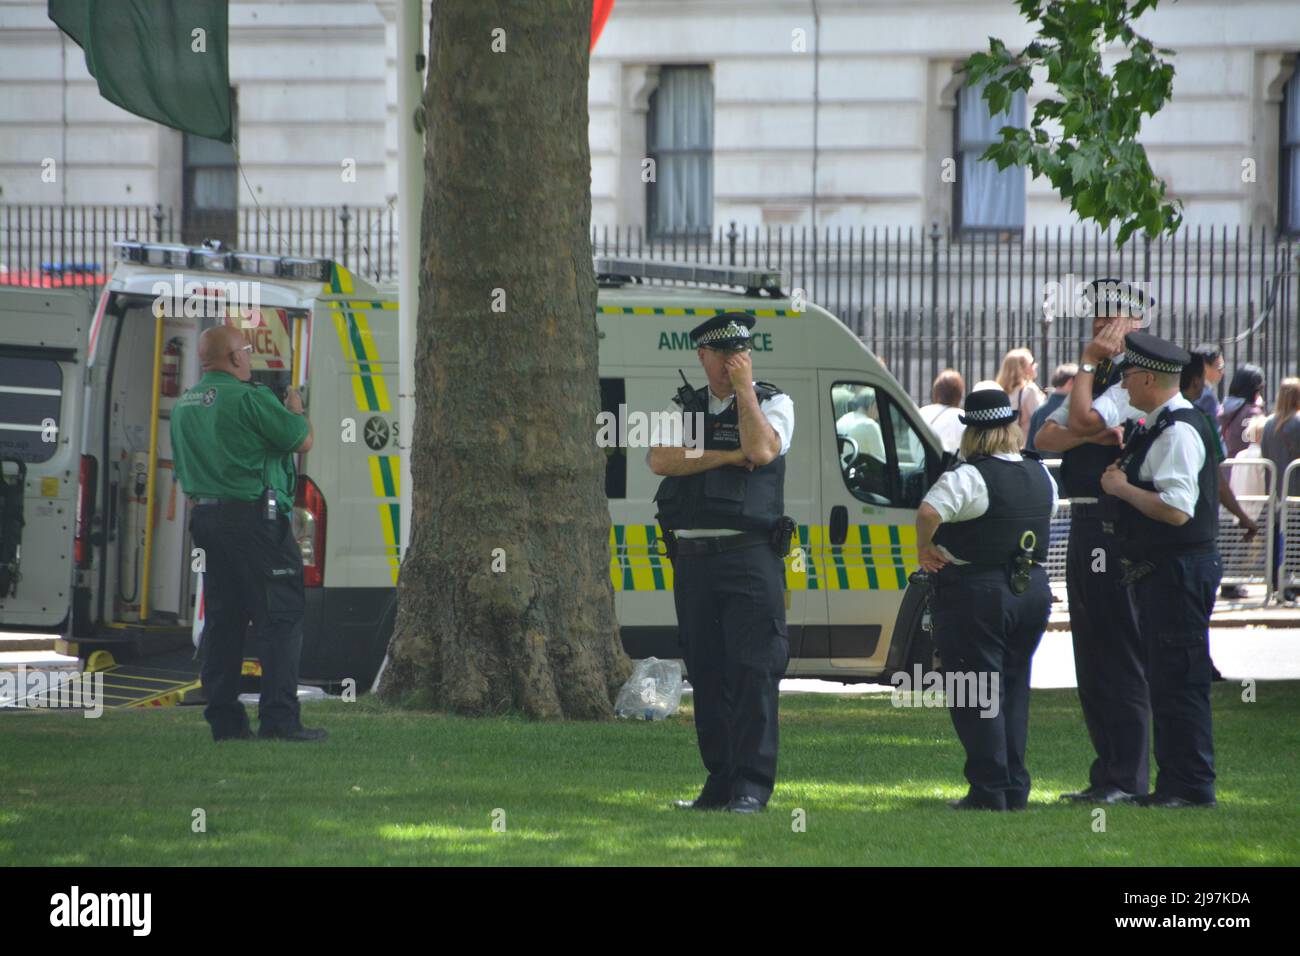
222 349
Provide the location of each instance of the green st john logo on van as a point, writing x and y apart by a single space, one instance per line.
681 341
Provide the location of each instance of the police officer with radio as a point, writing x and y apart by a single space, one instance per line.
1167 487
983 532
231 444
722 512
1108 653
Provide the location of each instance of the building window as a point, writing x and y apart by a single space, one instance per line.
987 198
1289 200
210 183
679 138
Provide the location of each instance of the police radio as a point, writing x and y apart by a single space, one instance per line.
686 396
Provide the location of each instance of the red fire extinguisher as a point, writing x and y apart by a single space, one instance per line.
171 369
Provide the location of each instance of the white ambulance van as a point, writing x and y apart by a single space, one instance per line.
42 376
859 464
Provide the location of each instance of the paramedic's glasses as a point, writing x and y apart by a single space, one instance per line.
243 348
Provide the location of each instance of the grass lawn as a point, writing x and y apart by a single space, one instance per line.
404 788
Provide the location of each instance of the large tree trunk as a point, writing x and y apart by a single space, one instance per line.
504 455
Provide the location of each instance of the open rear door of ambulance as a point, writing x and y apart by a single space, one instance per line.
42 376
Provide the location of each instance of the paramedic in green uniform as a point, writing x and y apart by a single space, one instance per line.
232 443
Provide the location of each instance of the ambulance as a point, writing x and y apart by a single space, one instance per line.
119 566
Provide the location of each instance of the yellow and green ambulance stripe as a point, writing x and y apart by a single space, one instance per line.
872 558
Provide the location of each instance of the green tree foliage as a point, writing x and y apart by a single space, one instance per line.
1083 136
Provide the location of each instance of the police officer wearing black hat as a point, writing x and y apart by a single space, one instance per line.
1167 486
983 531
722 511
1108 652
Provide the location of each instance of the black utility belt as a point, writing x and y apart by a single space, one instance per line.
716 544
225 502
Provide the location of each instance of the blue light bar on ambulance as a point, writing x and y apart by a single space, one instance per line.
214 259
316 269
210 260
755 281
254 264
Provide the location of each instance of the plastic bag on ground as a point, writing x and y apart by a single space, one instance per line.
653 692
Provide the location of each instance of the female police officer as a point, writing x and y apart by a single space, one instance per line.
982 531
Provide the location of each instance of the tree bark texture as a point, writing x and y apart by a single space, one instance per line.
504 596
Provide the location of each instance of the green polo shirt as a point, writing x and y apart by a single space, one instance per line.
230 439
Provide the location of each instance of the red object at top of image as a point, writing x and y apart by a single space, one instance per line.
600 10
42 279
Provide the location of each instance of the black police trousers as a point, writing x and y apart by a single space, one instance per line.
731 627
252 572
1108 659
1174 604
984 631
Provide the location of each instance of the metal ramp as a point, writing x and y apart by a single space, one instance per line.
133 685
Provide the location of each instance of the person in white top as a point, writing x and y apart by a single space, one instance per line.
982 533
1167 523
722 512
943 415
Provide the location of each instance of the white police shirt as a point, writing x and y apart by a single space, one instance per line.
1173 463
960 494
778 410
1061 414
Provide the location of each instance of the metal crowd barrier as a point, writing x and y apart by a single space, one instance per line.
1289 526
1245 563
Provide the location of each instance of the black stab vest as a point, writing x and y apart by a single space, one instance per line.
1081 467
727 497
1020 500
1143 538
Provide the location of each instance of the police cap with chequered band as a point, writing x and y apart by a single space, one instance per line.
1145 351
1115 297
988 408
727 332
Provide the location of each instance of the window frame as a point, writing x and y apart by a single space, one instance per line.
960 228
654 230
1287 186
893 469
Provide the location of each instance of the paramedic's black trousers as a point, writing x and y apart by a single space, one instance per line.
1108 659
252 571
731 624
1174 604
981 629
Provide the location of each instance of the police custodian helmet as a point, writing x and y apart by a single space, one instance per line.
726 332
1145 351
988 408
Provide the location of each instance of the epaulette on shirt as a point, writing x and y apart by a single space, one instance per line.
766 391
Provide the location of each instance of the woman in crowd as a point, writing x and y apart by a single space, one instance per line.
1245 401
1280 444
1017 378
